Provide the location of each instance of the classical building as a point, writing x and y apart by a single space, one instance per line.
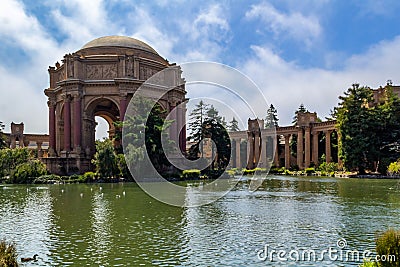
99 80
18 138
266 147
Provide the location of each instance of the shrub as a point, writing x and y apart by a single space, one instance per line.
89 176
394 168
26 172
249 172
8 254
309 170
328 167
45 179
387 244
191 174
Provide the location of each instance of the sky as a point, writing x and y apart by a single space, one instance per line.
296 52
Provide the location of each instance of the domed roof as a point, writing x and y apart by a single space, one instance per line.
119 41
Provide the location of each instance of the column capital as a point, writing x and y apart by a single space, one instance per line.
66 97
51 103
76 96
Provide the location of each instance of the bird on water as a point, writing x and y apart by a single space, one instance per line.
30 259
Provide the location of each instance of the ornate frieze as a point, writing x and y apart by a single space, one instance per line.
98 72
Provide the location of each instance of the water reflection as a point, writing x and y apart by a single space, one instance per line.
119 225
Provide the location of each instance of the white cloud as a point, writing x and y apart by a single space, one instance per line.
286 84
294 24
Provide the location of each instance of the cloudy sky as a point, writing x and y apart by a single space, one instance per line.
296 51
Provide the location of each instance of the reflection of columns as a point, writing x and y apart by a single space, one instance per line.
287 151
276 157
328 145
300 148
263 158
307 147
67 124
77 123
52 128
123 103
315 148
237 151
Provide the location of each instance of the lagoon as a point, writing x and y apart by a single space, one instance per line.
120 225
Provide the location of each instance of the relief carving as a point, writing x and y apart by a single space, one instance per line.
129 66
95 72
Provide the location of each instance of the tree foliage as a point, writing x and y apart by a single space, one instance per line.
369 131
271 120
147 122
105 159
301 109
11 158
2 137
205 122
233 125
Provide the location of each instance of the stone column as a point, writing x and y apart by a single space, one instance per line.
250 146
328 145
123 103
52 128
39 149
257 148
287 151
300 148
307 148
276 157
67 124
77 124
237 160
315 148
263 157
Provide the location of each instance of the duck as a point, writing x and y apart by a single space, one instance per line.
30 259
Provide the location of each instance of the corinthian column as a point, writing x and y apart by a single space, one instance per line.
300 148
77 123
52 128
67 124
307 147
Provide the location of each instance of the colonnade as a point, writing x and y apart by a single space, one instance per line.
265 147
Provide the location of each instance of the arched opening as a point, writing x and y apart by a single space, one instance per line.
102 113
102 128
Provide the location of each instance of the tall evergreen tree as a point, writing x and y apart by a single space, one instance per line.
233 125
271 119
357 124
196 119
301 109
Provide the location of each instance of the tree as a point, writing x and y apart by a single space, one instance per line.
105 159
233 125
271 119
2 141
147 122
388 129
358 145
301 109
196 119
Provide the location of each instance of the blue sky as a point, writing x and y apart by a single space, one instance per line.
296 51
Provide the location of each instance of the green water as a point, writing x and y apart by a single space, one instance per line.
119 225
